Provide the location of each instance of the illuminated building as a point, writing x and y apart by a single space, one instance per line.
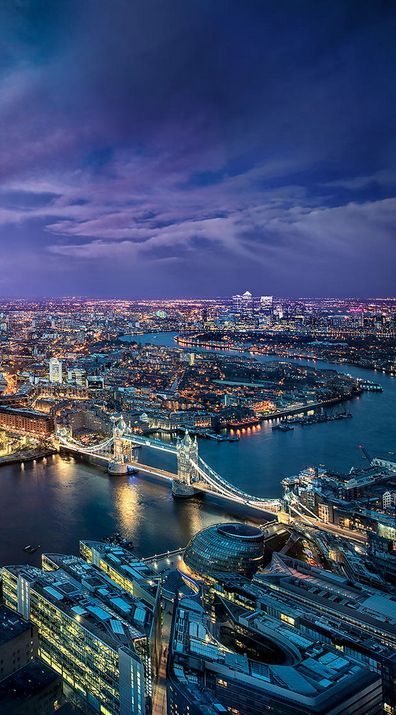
358 620
77 376
128 572
95 634
229 548
20 420
210 671
266 302
243 304
55 370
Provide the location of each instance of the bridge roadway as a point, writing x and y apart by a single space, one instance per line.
200 486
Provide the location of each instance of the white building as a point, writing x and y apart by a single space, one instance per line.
55 370
79 377
266 302
388 499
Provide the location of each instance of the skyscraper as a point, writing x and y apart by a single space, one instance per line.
266 302
243 304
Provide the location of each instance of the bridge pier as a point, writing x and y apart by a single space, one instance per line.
181 490
117 469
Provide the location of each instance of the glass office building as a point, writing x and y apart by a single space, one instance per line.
231 548
97 636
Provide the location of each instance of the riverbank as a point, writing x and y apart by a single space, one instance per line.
308 407
26 456
254 351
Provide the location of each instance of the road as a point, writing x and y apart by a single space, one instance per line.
333 529
159 697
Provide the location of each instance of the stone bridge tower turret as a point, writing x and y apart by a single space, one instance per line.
187 455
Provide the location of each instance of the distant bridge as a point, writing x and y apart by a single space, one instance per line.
193 475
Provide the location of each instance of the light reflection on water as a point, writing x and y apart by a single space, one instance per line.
56 504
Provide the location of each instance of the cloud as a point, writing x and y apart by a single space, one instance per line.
237 134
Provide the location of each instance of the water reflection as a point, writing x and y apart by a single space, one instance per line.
127 506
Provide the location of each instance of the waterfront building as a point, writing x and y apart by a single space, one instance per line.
20 420
127 571
225 548
100 638
209 672
55 370
388 462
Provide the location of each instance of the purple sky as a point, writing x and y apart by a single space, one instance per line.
166 148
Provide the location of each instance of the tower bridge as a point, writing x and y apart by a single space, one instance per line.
193 475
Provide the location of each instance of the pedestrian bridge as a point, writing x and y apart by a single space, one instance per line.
193 475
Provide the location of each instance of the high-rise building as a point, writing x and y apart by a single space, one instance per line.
99 637
266 303
55 370
243 305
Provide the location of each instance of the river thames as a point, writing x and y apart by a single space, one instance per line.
55 502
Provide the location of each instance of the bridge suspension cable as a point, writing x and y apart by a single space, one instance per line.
221 485
73 444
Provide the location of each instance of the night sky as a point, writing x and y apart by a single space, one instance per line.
192 148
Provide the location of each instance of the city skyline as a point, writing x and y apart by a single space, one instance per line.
219 147
197 357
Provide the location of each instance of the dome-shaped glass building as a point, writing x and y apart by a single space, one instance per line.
226 548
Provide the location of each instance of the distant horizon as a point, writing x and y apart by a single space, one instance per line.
195 298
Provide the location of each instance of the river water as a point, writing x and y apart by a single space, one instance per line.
55 502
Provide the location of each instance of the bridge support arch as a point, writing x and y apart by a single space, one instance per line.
187 456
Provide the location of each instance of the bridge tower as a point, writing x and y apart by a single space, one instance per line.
187 453
118 465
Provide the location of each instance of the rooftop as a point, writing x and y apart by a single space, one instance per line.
240 531
11 625
319 673
87 596
25 683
